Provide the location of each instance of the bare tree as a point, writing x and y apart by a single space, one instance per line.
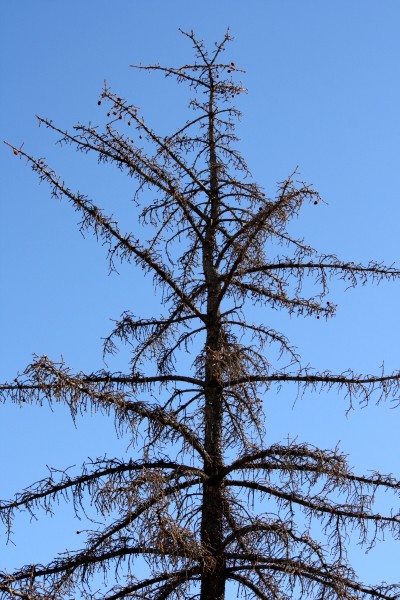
219 245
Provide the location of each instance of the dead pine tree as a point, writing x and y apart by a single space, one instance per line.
219 246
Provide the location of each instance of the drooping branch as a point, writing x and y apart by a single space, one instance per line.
307 459
45 492
55 383
318 506
337 580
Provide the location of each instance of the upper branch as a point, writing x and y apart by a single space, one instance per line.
104 226
350 270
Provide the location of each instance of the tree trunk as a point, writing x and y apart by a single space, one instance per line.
213 582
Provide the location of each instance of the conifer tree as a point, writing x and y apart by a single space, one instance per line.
181 503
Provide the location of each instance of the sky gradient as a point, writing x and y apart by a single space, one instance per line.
324 96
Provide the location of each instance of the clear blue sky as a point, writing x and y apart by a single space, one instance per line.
324 94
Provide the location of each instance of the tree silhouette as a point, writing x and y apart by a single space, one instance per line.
208 502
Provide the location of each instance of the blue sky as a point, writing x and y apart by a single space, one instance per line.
324 94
